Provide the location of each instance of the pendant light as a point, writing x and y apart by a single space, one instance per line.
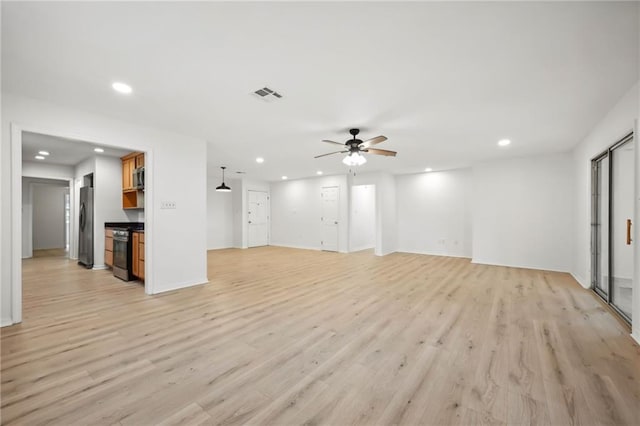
223 187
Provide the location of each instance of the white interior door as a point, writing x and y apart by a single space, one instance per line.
258 219
329 219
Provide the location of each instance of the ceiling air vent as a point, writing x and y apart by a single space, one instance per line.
267 94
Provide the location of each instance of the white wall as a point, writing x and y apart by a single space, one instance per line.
296 208
220 223
46 171
362 219
522 212
434 213
107 202
238 212
27 218
620 121
48 216
175 171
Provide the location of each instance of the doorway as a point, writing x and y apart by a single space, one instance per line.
41 154
45 210
258 219
612 212
362 235
329 219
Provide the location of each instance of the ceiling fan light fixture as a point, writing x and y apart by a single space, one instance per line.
223 187
354 159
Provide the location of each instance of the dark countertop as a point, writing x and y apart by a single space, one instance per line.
134 226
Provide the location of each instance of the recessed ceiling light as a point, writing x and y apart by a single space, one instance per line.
428 169
319 172
39 157
98 149
43 152
259 160
284 178
122 88
504 142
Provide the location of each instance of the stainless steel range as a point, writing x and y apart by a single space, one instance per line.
122 253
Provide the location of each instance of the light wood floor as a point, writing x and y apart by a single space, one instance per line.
283 336
57 252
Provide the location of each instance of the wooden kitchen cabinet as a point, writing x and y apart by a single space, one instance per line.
132 198
128 166
137 259
108 247
141 256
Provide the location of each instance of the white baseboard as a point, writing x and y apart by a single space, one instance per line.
99 267
296 246
536 267
428 253
580 280
636 338
220 248
182 285
360 248
4 322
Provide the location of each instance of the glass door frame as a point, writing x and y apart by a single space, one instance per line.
607 156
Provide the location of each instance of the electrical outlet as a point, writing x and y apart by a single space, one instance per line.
168 205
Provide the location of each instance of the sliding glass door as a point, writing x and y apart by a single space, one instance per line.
611 225
622 165
600 226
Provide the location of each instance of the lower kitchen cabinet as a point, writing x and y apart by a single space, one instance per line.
108 247
138 255
141 256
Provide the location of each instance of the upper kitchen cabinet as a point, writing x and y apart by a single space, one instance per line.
133 181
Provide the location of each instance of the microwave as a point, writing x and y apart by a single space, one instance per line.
138 178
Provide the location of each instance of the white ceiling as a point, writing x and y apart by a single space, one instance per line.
62 151
443 81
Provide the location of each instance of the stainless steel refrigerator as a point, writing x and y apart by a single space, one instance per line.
85 233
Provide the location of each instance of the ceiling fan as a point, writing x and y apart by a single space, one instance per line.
355 147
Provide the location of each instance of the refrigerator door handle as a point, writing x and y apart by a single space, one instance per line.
83 219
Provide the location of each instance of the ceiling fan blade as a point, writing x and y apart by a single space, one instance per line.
373 141
331 153
381 152
337 143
